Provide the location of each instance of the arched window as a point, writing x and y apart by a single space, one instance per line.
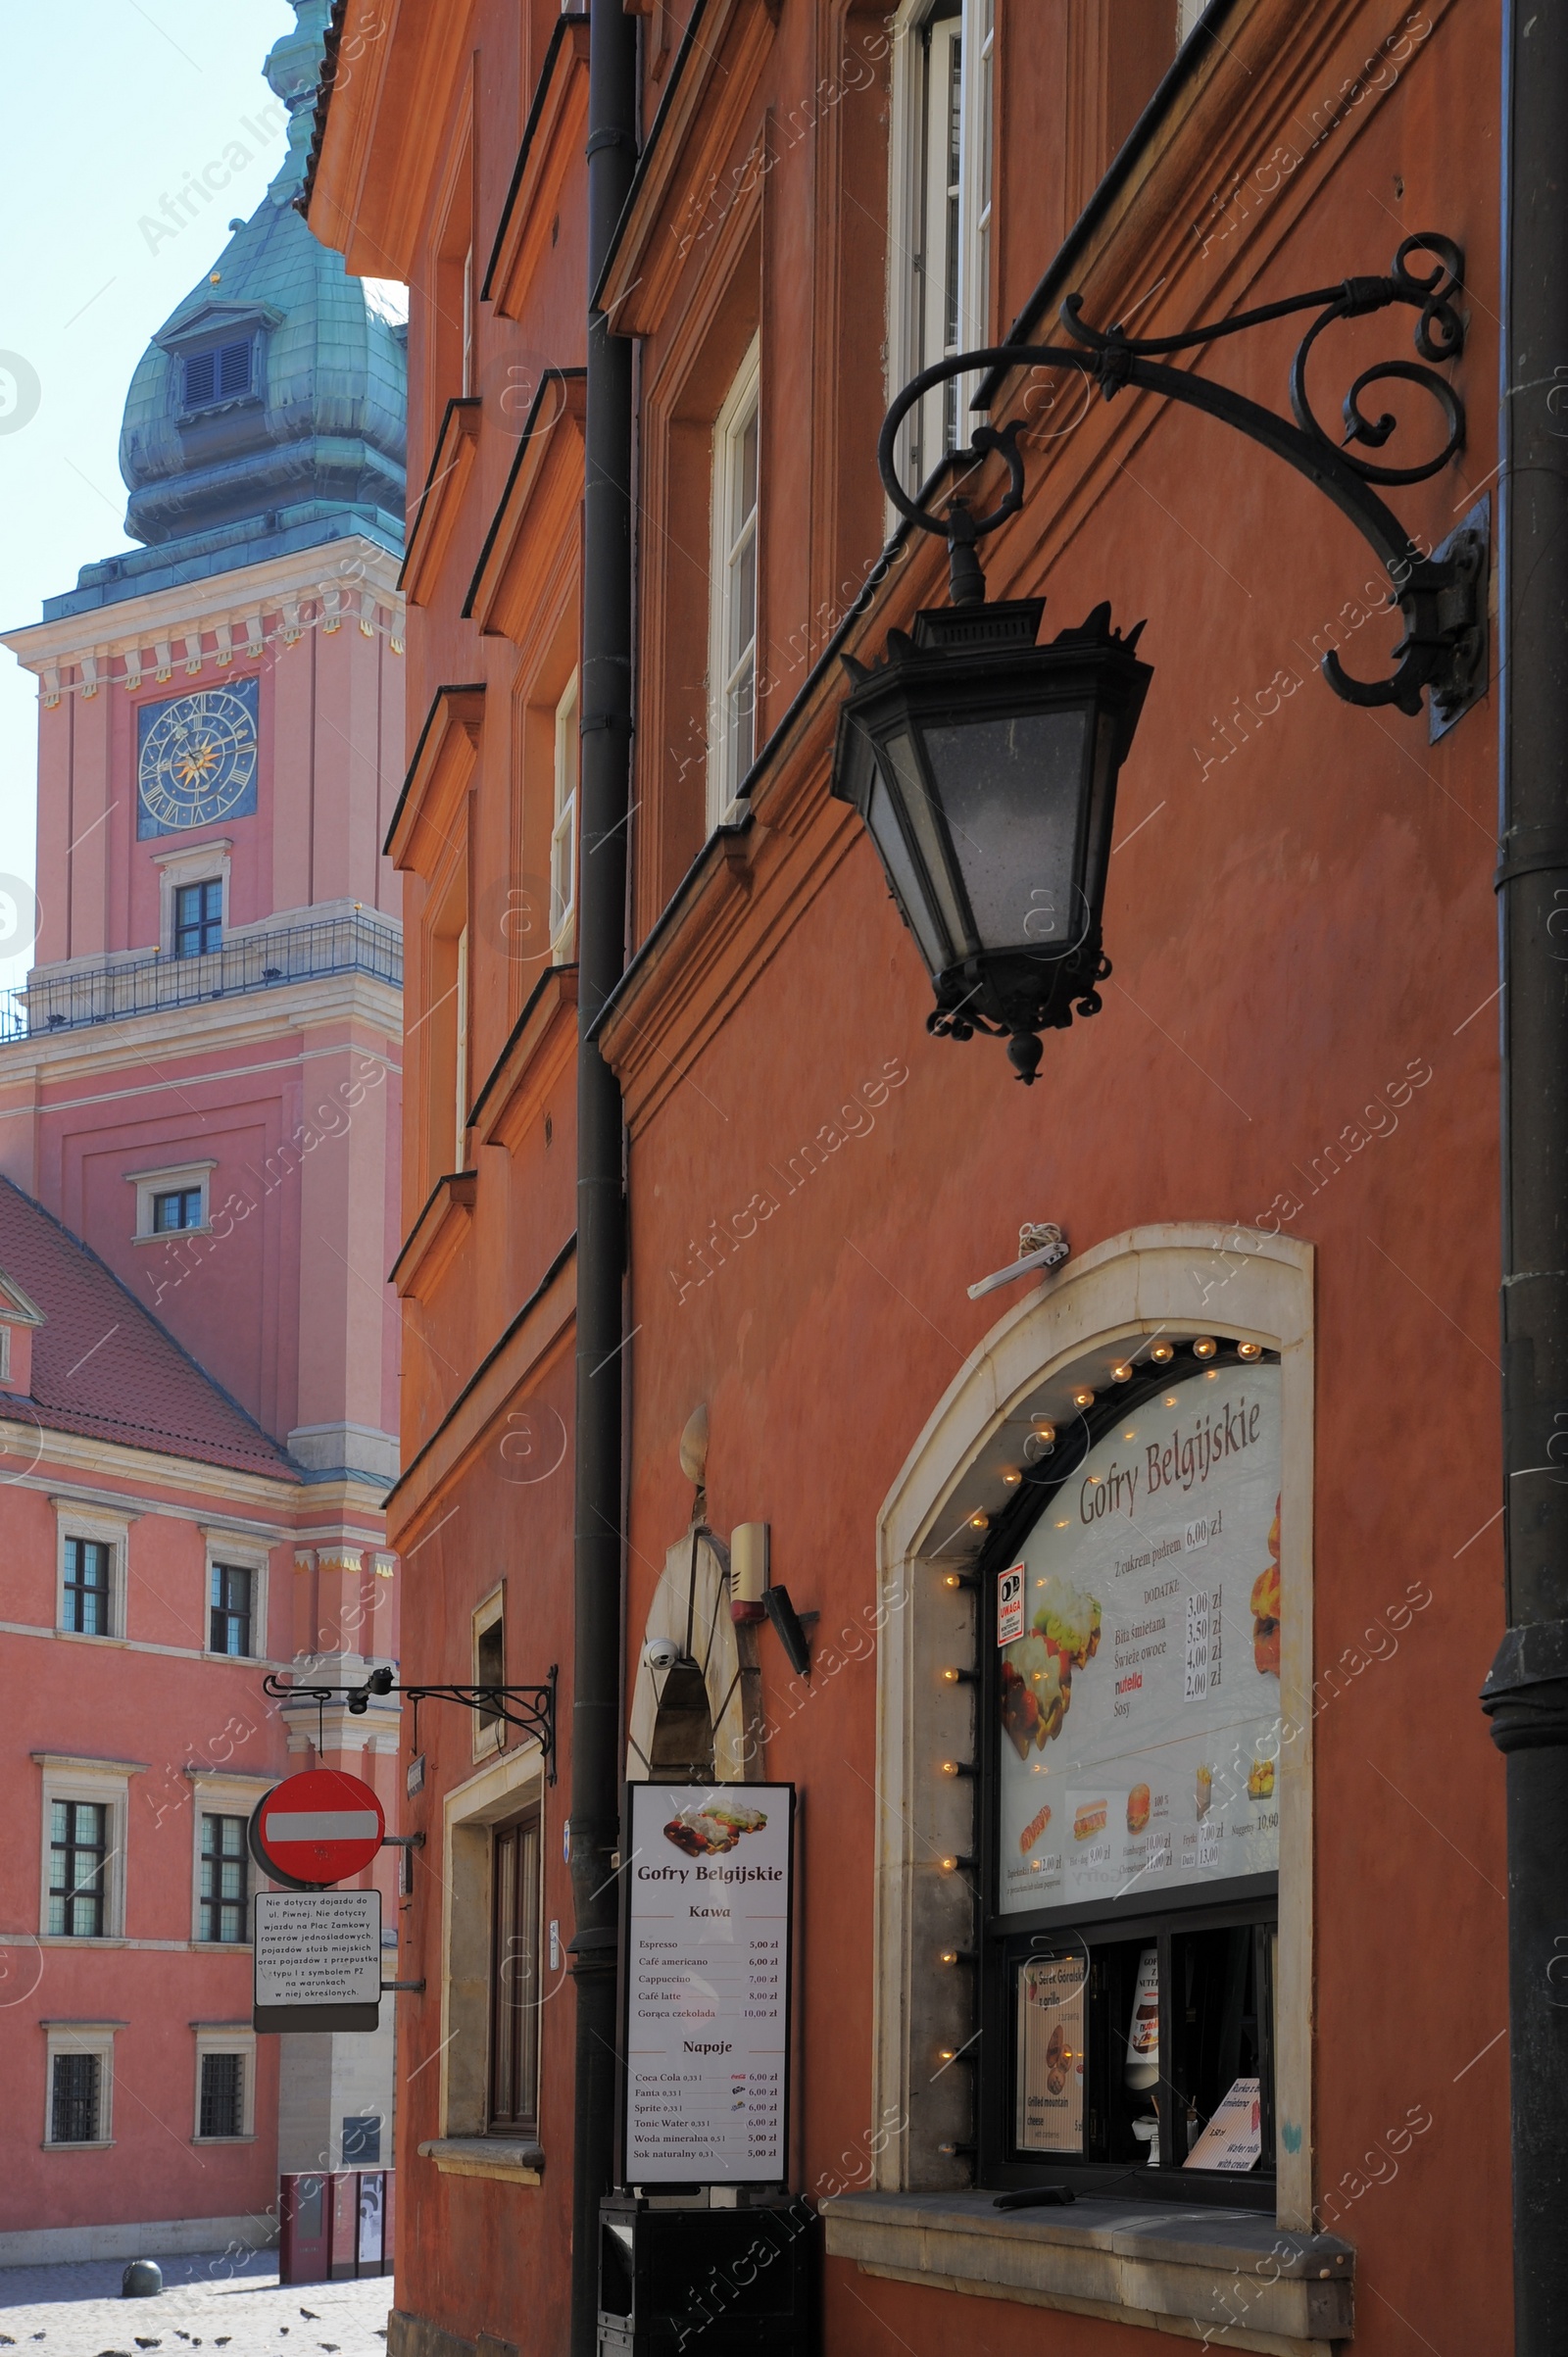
1095 1852
1127 1608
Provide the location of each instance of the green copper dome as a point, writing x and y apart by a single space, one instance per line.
275 396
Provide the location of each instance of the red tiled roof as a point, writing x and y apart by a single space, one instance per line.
102 1366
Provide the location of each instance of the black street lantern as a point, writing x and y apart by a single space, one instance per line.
985 766
985 770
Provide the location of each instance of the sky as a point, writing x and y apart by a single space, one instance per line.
103 111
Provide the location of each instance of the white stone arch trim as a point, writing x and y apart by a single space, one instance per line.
728 1662
1185 1280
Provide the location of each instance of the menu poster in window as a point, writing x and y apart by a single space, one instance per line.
1050 2054
709 1889
1234 2137
1139 1711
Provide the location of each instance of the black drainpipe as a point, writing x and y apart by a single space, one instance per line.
1527 1692
598 1605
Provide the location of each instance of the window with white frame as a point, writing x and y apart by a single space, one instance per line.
194 911
79 1833
222 1879
491 1890
490 1669
563 834
90 1573
460 1150
226 2083
237 1595
172 1201
79 2083
939 287
224 1903
82 1868
733 590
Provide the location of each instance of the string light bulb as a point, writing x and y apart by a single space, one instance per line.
979 1522
1046 1433
1011 1476
1122 1372
1163 1354
1205 1347
1249 1349
1083 1397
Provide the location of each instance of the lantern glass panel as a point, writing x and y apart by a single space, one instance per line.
1012 790
925 825
886 833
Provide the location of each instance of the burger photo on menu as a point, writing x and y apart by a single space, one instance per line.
1037 1671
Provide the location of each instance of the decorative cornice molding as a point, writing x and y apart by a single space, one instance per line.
442 768
544 482
457 445
704 111
237 600
532 1059
552 143
529 1345
434 1240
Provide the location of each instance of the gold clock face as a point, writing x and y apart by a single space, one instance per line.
196 759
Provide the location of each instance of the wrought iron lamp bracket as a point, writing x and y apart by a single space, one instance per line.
1441 598
532 1709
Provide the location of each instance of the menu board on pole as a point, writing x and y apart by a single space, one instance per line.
709 1875
1140 1707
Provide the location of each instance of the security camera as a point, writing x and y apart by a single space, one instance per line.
661 1652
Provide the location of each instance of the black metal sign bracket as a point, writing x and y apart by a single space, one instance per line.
532 1709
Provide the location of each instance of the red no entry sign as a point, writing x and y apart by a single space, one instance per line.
320 1826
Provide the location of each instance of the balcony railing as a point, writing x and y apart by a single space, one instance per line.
257 962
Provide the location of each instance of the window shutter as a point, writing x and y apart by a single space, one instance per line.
234 369
199 374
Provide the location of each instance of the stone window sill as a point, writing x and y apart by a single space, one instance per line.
486 2156
1181 2272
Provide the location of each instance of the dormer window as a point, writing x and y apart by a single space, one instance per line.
221 373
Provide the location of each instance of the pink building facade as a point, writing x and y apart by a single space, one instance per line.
199 1116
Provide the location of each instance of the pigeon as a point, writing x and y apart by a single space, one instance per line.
331 2347
147 2344
224 2343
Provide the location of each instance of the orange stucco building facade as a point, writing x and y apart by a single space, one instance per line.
1272 1152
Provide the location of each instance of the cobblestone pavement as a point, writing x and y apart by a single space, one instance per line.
212 2303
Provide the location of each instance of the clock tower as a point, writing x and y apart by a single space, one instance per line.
199 1079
